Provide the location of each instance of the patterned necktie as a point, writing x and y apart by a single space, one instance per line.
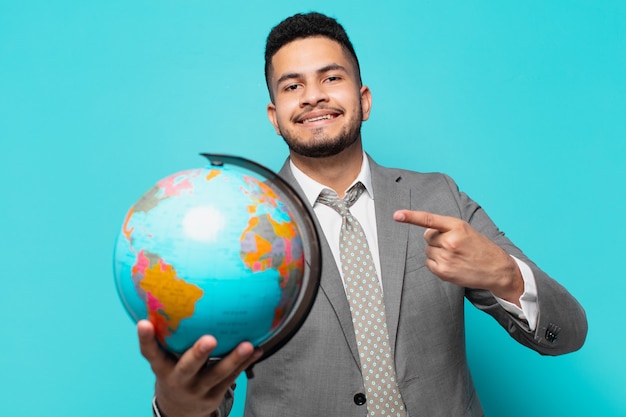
367 308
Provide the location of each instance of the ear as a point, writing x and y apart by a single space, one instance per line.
271 114
366 102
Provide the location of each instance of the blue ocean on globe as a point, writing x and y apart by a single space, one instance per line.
212 250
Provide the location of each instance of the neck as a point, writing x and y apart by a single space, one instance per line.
336 172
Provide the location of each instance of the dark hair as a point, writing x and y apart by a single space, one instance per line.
300 26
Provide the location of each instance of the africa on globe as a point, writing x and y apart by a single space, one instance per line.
227 249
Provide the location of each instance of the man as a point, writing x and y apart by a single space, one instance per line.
431 247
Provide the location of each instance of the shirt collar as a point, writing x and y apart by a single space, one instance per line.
313 188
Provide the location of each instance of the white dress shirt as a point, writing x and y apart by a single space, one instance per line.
365 212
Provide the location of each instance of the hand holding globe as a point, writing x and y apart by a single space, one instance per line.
187 386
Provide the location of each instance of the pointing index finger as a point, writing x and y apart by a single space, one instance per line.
425 219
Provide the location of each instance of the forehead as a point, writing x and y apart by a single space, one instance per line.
309 55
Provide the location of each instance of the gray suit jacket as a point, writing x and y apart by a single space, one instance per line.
317 373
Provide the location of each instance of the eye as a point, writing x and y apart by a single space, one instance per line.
333 78
291 87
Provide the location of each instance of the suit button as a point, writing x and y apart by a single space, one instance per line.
552 332
359 399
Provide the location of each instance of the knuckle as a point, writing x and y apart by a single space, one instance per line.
434 267
453 243
185 368
465 227
444 271
145 352
150 356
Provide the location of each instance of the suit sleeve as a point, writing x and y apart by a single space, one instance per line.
562 323
227 403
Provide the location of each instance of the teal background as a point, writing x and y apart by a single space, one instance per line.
522 102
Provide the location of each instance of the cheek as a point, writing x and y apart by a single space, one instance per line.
285 108
348 100
281 119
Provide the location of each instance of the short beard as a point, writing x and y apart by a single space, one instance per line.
325 146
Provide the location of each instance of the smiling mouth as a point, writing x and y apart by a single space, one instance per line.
318 118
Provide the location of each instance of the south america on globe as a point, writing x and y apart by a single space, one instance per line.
227 250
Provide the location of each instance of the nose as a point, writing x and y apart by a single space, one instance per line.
312 95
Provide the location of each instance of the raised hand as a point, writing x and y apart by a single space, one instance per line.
187 387
458 253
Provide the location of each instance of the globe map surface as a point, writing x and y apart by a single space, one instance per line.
219 250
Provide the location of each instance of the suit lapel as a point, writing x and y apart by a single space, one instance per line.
390 196
330 285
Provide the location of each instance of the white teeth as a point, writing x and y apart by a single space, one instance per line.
315 119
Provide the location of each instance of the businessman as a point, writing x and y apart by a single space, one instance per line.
401 250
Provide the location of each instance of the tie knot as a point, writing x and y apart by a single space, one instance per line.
341 205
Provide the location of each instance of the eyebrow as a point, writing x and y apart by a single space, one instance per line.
326 68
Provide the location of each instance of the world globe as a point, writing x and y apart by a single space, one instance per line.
228 250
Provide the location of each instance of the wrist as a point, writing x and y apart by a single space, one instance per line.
511 285
157 412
